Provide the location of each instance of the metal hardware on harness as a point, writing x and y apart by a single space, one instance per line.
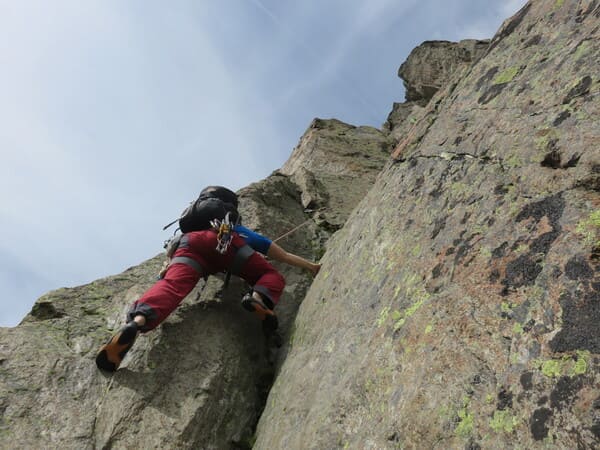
224 233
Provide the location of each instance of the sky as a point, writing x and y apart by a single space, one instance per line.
114 114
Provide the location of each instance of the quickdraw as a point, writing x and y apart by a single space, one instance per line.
224 233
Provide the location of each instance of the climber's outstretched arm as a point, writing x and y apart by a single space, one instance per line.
279 254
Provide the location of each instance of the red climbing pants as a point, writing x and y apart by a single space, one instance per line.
166 294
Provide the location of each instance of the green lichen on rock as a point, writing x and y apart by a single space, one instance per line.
581 364
589 228
513 162
566 366
503 421
459 188
521 248
416 251
545 137
582 49
400 317
506 76
552 368
414 291
383 315
465 426
485 252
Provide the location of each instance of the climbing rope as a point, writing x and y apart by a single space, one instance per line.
299 226
293 230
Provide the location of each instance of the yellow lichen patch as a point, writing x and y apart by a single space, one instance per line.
400 317
513 161
566 366
383 315
581 364
465 426
506 76
503 421
582 49
589 228
544 137
552 368
416 251
458 188
330 347
522 248
414 291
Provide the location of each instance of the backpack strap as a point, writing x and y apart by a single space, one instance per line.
172 223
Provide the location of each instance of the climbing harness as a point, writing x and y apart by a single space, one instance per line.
224 229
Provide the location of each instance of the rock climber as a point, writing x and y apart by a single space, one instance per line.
196 256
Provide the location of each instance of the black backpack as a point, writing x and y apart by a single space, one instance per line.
214 202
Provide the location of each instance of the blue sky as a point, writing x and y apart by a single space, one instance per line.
114 114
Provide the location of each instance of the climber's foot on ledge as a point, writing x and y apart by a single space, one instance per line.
112 353
256 306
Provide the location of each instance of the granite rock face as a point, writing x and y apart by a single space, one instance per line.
335 164
200 380
428 68
431 64
459 306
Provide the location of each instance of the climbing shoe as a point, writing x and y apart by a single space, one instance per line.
112 353
257 306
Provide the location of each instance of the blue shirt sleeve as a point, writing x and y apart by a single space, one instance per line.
257 241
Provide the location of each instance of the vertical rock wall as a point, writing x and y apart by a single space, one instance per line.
459 305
